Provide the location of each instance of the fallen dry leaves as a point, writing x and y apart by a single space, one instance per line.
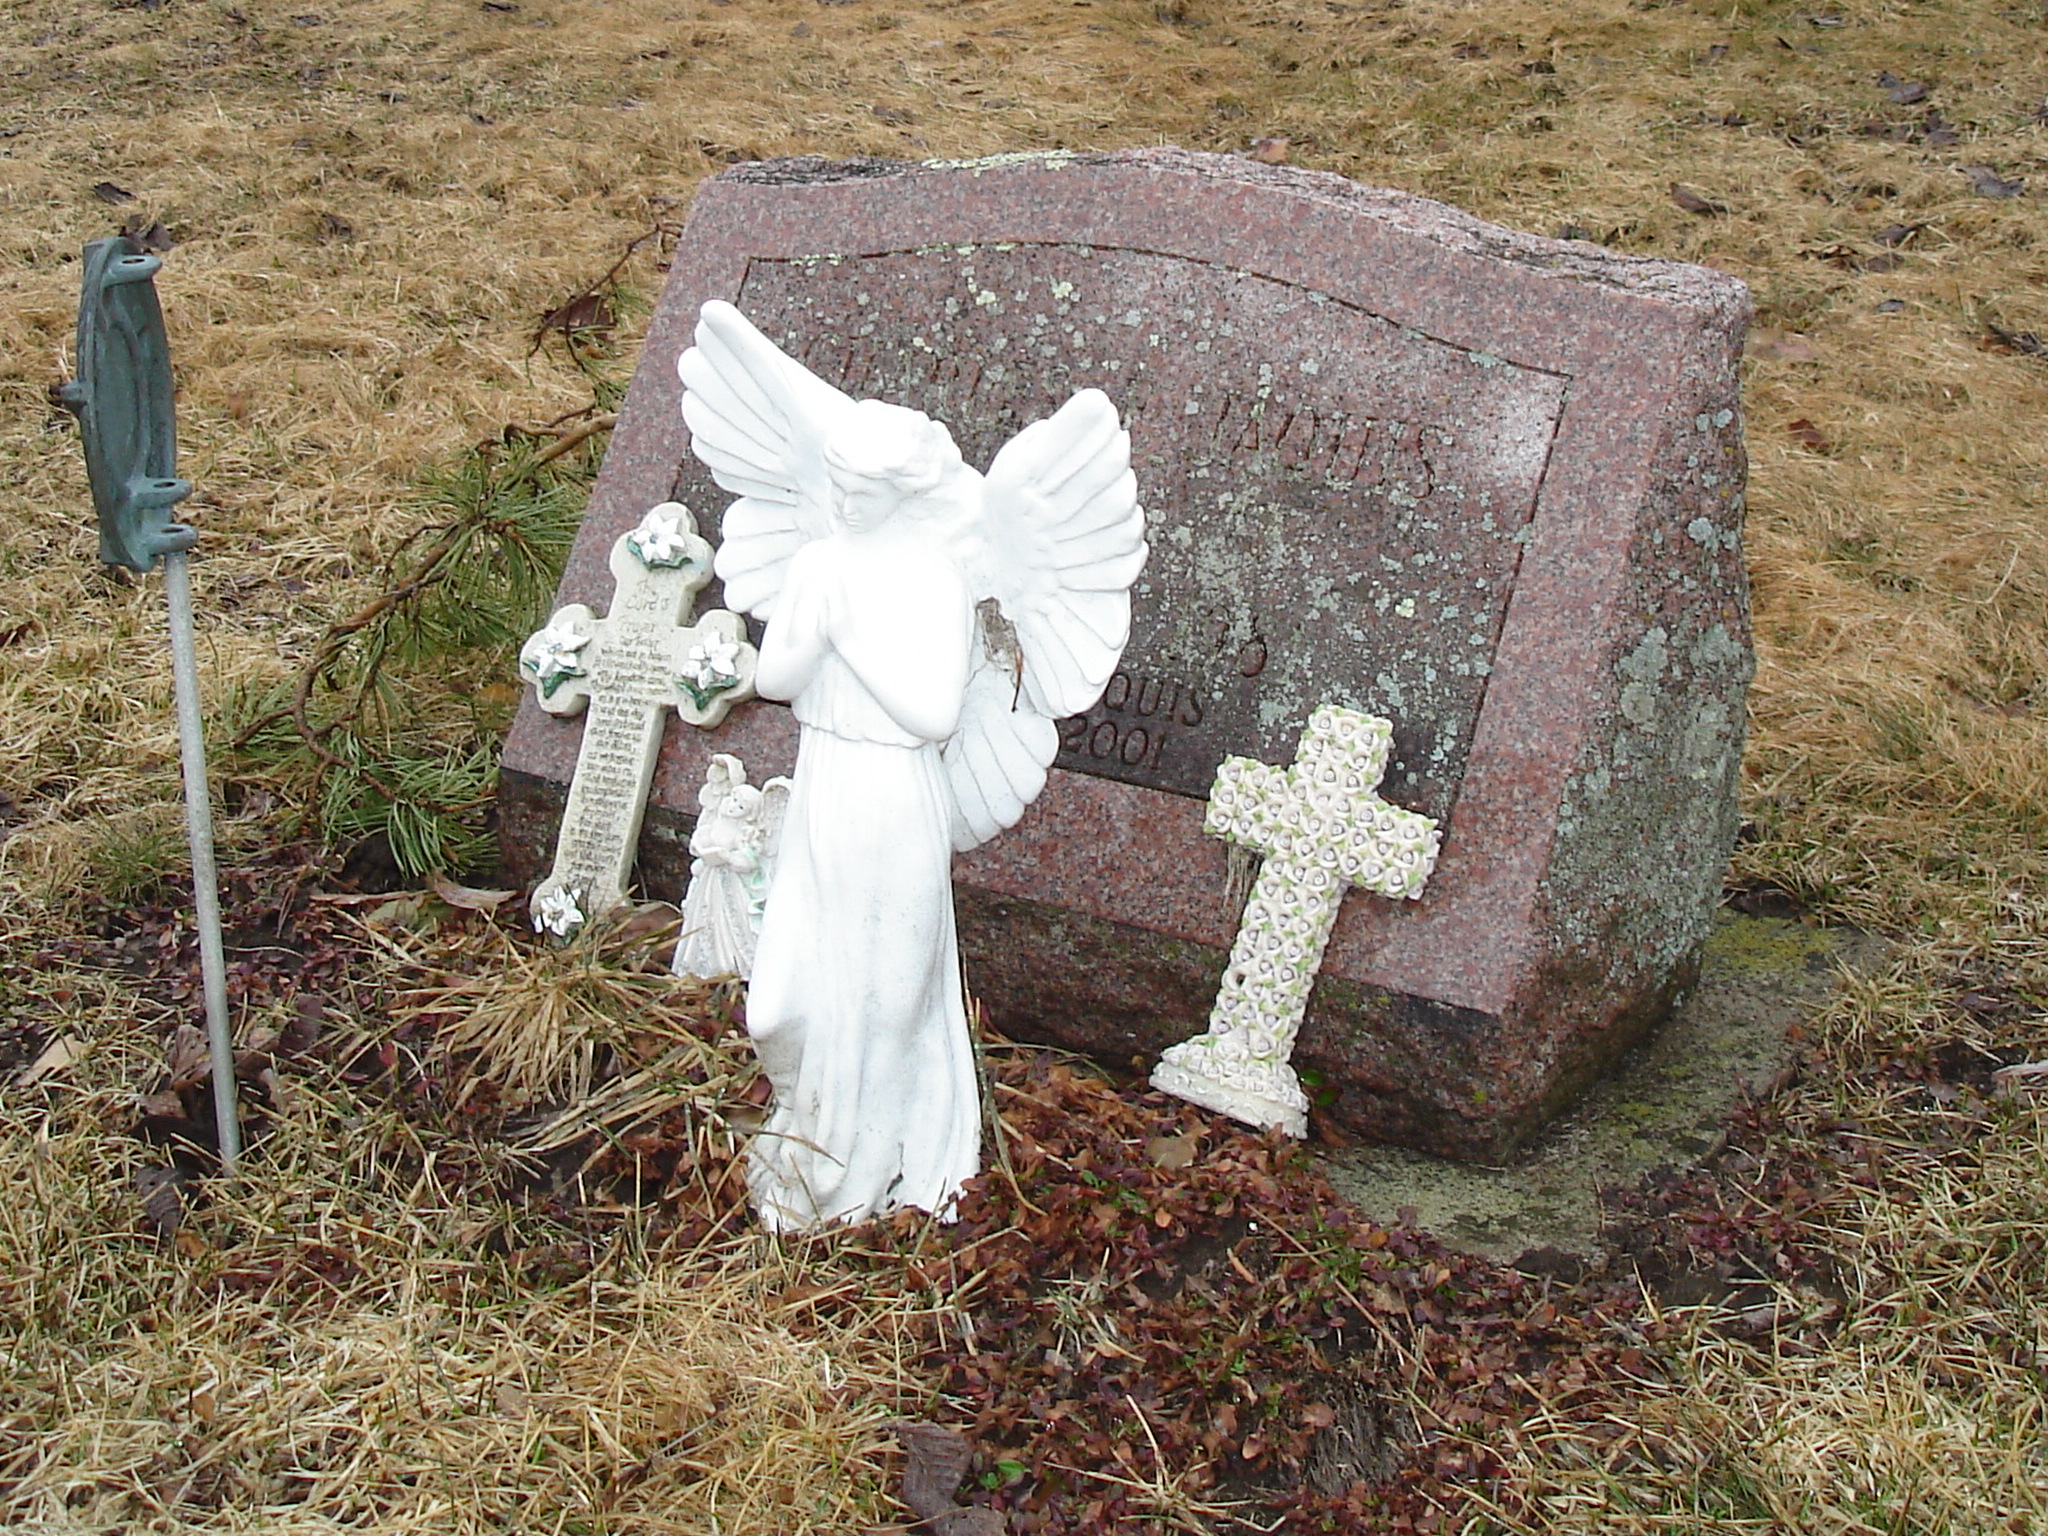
1161 1310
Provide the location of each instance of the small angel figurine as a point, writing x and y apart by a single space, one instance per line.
928 625
732 862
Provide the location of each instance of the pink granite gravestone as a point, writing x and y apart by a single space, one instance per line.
1487 485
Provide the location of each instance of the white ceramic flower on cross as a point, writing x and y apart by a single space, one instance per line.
554 910
555 653
712 666
1322 828
661 539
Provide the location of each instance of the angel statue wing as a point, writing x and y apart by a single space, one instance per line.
768 827
759 420
1060 540
1049 548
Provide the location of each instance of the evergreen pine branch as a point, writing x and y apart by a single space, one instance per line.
460 593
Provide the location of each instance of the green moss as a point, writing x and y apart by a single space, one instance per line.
1764 946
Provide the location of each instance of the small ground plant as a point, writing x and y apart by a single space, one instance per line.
387 738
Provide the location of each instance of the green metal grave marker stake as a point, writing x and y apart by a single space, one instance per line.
122 398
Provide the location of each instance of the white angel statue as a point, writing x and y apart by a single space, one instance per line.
732 861
928 625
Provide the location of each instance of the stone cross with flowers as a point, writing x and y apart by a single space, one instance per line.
629 668
1322 828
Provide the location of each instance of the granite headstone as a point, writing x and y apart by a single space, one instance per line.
1484 484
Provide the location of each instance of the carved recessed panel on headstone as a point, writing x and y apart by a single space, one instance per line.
1302 460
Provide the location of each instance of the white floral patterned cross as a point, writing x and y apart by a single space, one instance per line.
1322 828
629 668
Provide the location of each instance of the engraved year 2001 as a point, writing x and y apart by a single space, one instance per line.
1133 723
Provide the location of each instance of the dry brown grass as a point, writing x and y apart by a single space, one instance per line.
1922 1412
355 1333
376 201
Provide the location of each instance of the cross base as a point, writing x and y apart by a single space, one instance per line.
1207 1071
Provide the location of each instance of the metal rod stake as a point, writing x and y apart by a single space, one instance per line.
199 832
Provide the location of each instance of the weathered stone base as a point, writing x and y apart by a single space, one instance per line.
1382 1067
1666 1103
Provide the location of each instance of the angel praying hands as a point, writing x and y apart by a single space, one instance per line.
928 625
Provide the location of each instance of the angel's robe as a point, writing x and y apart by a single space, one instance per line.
719 908
855 1006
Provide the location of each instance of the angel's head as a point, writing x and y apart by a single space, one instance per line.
882 458
725 772
742 802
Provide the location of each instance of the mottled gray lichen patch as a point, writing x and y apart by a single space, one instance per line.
980 163
1648 820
